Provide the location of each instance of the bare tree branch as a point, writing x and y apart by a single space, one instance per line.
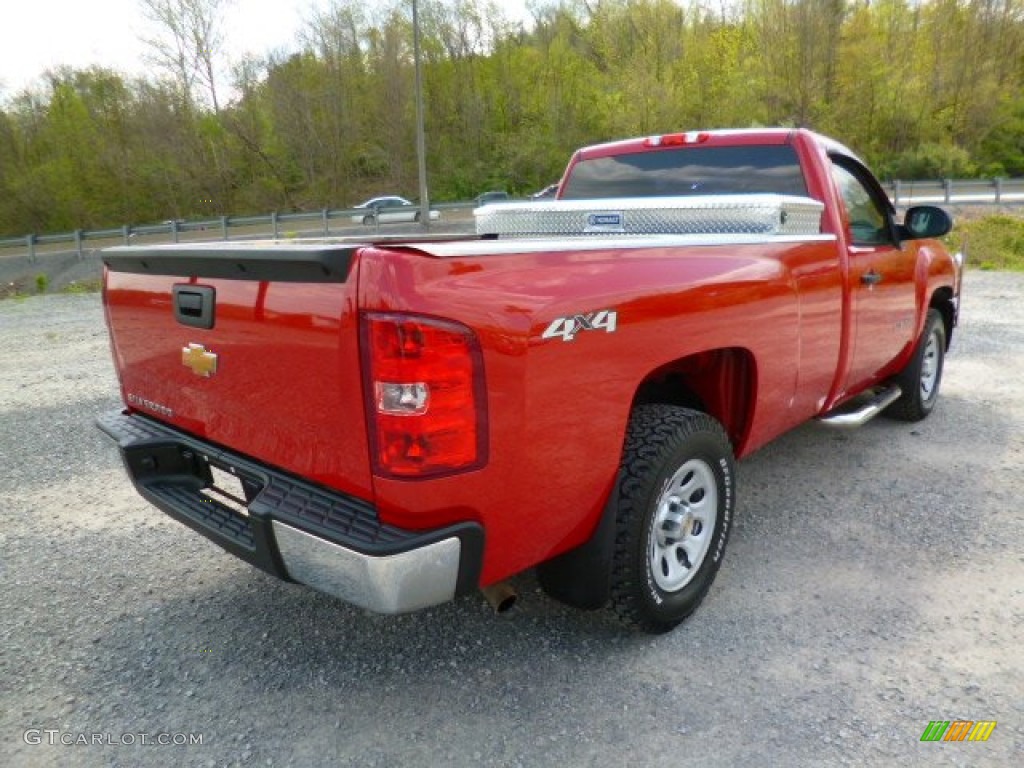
187 43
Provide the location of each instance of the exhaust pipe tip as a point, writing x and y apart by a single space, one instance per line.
501 596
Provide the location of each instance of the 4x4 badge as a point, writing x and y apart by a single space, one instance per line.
199 359
566 328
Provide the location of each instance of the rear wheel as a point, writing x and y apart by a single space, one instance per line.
921 377
416 218
674 500
367 220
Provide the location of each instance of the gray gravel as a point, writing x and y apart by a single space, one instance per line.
874 582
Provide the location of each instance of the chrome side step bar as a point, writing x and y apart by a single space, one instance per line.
844 419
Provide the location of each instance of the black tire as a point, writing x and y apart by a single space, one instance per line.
367 220
416 218
669 450
921 377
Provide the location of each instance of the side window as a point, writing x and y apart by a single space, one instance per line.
869 219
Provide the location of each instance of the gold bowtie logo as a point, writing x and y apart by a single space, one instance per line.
199 359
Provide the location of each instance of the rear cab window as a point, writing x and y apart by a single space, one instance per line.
730 170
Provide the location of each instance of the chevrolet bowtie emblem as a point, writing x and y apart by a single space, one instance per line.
199 359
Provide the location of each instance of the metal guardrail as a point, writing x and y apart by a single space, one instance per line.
328 222
957 192
322 223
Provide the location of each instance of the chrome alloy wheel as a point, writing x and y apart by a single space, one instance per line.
683 525
930 365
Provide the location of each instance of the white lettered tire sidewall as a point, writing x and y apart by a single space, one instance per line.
660 441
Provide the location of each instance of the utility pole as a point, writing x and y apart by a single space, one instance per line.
421 143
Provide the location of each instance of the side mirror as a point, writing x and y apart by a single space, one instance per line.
927 221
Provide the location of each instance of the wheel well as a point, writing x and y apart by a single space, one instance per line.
942 300
718 382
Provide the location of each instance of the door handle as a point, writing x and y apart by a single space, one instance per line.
871 278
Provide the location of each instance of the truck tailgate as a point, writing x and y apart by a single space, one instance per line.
253 346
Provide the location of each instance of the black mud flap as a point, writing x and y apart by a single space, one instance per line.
580 577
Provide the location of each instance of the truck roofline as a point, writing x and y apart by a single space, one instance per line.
720 137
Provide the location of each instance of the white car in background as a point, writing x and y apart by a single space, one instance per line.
388 209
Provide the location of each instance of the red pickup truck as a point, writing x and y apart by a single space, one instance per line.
401 421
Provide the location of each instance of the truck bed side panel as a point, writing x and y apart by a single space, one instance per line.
557 409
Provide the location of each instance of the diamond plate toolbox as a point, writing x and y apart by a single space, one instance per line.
712 215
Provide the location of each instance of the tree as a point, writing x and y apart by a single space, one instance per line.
188 43
920 87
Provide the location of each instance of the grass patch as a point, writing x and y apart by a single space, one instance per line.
83 286
40 284
993 242
15 290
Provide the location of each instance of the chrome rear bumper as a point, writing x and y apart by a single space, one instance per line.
293 529
395 583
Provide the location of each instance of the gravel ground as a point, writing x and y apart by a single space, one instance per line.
874 582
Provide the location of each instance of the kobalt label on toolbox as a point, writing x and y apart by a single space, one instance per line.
566 328
604 221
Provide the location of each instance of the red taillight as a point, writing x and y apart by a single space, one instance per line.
424 395
677 139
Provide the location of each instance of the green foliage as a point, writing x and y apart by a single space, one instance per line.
92 285
42 281
930 161
1001 149
924 89
992 242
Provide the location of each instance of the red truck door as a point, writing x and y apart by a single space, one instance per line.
881 276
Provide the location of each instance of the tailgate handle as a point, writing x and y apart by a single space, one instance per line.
194 305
